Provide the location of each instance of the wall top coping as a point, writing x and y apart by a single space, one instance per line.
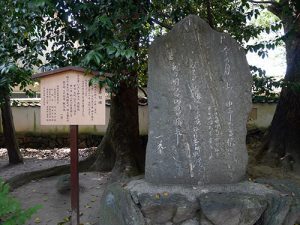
63 69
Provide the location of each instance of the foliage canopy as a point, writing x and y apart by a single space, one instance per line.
18 45
113 36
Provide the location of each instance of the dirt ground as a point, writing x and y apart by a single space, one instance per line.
264 170
56 207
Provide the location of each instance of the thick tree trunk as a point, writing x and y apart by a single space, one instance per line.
120 149
12 146
282 143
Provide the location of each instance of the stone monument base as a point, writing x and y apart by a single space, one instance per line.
264 202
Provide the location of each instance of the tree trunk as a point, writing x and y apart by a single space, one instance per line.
282 143
209 14
120 148
12 146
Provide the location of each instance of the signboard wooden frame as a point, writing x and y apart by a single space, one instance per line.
67 98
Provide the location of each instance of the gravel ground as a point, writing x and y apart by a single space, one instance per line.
36 159
57 153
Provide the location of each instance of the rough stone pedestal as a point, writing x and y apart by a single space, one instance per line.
140 203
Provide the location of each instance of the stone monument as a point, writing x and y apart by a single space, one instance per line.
199 99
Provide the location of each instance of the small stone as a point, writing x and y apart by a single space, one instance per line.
204 221
286 206
63 184
232 208
159 213
118 208
185 212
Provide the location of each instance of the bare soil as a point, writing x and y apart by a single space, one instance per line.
257 170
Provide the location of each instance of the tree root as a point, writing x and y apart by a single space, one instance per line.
105 156
24 178
102 161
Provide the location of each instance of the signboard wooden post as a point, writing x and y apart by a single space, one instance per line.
67 99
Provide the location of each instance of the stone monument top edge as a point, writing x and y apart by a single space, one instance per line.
197 24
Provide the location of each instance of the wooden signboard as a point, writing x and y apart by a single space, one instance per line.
67 99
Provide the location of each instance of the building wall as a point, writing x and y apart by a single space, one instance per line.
261 115
27 120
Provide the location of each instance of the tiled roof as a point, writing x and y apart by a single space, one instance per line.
25 102
263 100
35 102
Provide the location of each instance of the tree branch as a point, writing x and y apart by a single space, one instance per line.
276 9
261 2
161 23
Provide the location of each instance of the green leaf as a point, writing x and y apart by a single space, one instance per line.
110 49
118 53
37 3
129 53
94 81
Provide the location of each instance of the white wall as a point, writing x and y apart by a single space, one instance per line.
27 119
264 114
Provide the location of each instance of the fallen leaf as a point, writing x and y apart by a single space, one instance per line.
67 218
157 196
37 220
87 206
165 194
